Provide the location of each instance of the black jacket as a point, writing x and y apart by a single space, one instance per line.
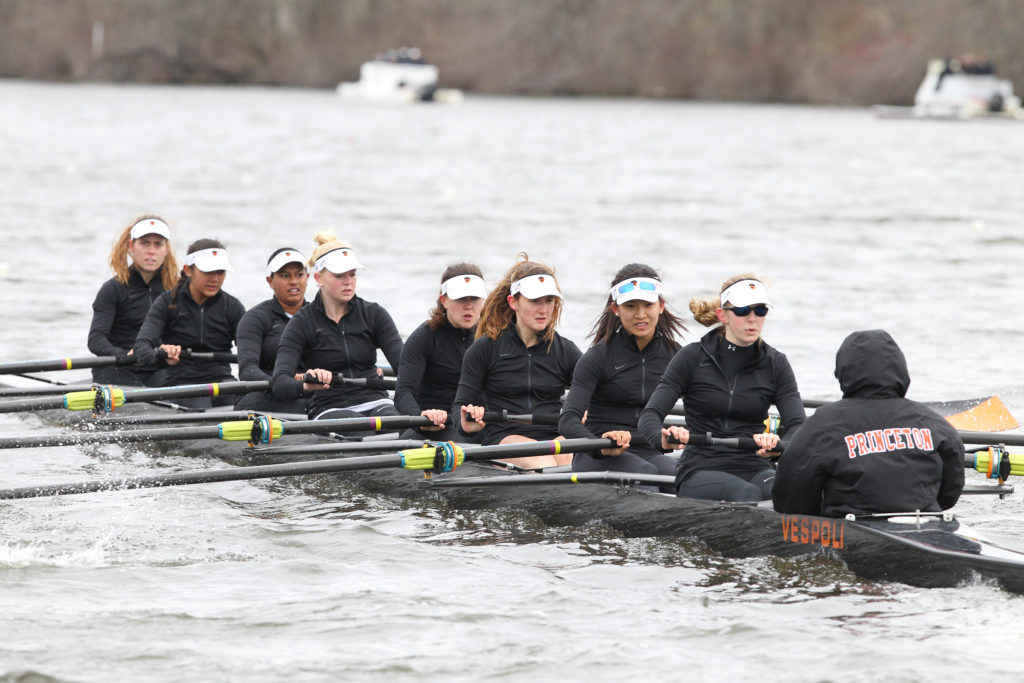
723 406
613 382
873 451
428 375
118 312
259 334
502 374
207 327
312 340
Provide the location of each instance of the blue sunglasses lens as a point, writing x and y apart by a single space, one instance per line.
630 286
743 311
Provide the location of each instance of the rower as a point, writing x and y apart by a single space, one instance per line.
197 315
874 451
518 362
339 332
259 331
728 381
634 340
144 268
428 375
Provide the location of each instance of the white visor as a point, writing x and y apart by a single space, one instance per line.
209 260
643 288
536 286
150 226
745 293
338 261
461 286
283 259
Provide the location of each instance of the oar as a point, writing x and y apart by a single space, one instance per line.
620 479
987 414
48 390
370 382
101 362
191 418
260 430
105 398
442 457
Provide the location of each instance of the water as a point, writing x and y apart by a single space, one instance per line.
856 222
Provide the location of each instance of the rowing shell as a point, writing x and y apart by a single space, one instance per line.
925 550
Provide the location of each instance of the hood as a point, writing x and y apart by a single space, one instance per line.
869 364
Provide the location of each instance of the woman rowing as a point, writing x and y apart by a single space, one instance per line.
428 375
634 340
259 331
144 268
518 363
728 380
336 338
198 316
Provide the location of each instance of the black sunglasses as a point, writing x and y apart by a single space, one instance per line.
743 311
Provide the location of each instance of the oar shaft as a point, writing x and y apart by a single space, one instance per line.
367 462
207 477
82 400
101 362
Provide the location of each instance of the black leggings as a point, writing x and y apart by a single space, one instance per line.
639 461
714 485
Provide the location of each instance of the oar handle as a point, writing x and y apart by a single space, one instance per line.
740 443
189 354
528 418
339 380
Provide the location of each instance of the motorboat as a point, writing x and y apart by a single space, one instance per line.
960 89
398 77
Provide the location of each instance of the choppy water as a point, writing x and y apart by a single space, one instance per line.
858 223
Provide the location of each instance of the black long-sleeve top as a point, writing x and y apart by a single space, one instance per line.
119 311
612 383
210 326
259 335
503 374
722 404
349 346
428 375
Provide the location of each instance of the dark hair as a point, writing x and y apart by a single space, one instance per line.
274 254
438 315
184 279
669 324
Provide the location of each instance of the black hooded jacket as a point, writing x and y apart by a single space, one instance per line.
873 451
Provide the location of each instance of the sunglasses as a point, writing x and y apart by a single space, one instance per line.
639 284
743 311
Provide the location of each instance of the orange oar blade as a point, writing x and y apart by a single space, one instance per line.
979 415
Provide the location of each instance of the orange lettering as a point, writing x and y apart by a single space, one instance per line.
851 445
826 534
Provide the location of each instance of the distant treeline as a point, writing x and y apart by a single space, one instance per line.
842 51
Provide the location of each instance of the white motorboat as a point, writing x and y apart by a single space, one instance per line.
960 90
401 79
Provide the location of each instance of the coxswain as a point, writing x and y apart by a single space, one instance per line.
727 381
197 315
339 333
874 451
634 340
518 363
259 331
144 268
428 375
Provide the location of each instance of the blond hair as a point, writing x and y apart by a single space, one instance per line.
497 315
119 256
326 241
705 310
